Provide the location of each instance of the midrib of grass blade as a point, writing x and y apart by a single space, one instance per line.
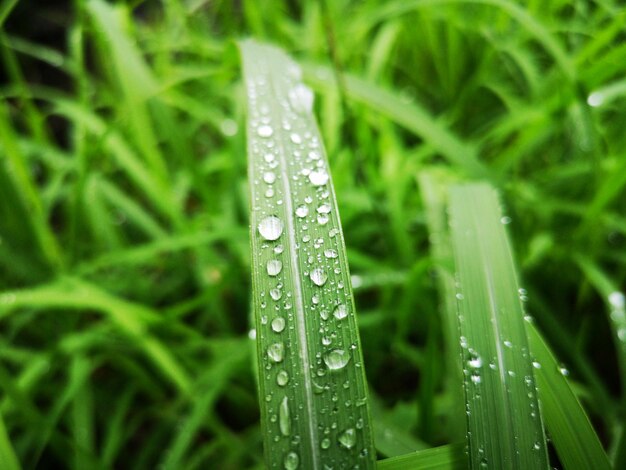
313 393
503 419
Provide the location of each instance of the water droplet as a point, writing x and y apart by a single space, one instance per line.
536 365
460 296
348 438
269 192
332 254
564 371
340 312
284 420
323 208
265 131
617 300
508 344
276 293
325 443
301 98
505 220
269 177
336 359
318 276
318 177
282 378
322 219
476 379
252 333
278 249
291 461
595 99
324 314
278 324
274 267
268 157
302 211
475 362
295 138
271 228
276 352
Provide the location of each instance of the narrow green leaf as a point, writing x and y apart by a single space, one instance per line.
573 436
313 393
8 459
441 458
503 420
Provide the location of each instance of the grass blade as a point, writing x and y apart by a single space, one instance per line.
504 423
441 458
573 436
313 392
7 454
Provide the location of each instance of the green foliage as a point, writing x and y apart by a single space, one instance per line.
125 261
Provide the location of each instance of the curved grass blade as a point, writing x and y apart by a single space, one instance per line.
504 427
573 437
313 392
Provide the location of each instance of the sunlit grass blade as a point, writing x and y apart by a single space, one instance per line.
313 392
450 457
504 427
573 436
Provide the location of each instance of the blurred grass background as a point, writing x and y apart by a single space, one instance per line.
124 265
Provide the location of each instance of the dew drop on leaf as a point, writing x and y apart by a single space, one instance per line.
284 420
318 276
336 359
278 324
318 177
348 438
302 211
276 352
265 131
271 227
340 312
282 378
274 267
291 461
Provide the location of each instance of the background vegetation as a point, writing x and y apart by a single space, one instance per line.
124 252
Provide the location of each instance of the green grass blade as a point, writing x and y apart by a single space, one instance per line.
504 423
441 458
7 454
573 436
313 392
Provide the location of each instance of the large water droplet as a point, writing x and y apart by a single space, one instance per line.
284 420
274 267
340 312
291 461
302 211
323 208
276 293
271 227
269 177
318 276
282 378
301 98
336 359
265 131
278 324
318 177
348 438
276 352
